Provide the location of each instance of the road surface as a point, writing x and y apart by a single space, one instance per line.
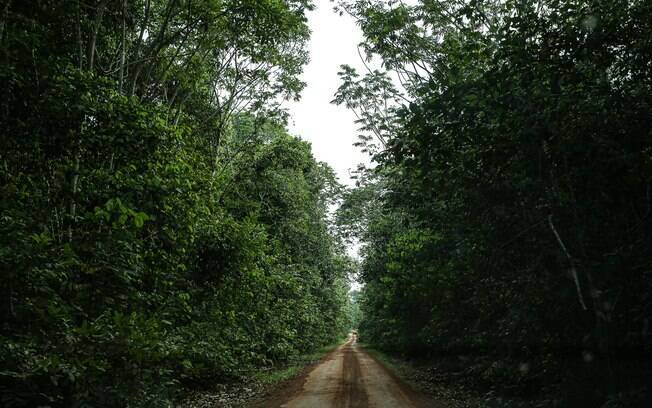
348 378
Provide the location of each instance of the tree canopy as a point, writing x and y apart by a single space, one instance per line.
160 229
509 210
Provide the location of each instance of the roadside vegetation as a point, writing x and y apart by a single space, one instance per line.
159 229
254 386
506 222
161 232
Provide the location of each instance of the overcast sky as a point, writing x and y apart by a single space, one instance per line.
330 128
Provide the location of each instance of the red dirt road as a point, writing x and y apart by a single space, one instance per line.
348 378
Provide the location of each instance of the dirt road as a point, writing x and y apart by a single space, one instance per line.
348 378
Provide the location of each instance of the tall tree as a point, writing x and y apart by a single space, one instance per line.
513 205
159 226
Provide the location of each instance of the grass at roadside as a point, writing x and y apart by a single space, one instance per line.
276 375
419 377
254 384
481 381
405 370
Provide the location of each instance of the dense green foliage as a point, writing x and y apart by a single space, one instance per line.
509 213
160 229
158 226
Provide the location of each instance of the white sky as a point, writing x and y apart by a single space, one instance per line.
329 128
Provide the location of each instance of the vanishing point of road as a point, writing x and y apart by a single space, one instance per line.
348 378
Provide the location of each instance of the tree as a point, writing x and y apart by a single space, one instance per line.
512 186
160 228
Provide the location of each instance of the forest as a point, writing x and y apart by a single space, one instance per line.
161 229
507 219
159 226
